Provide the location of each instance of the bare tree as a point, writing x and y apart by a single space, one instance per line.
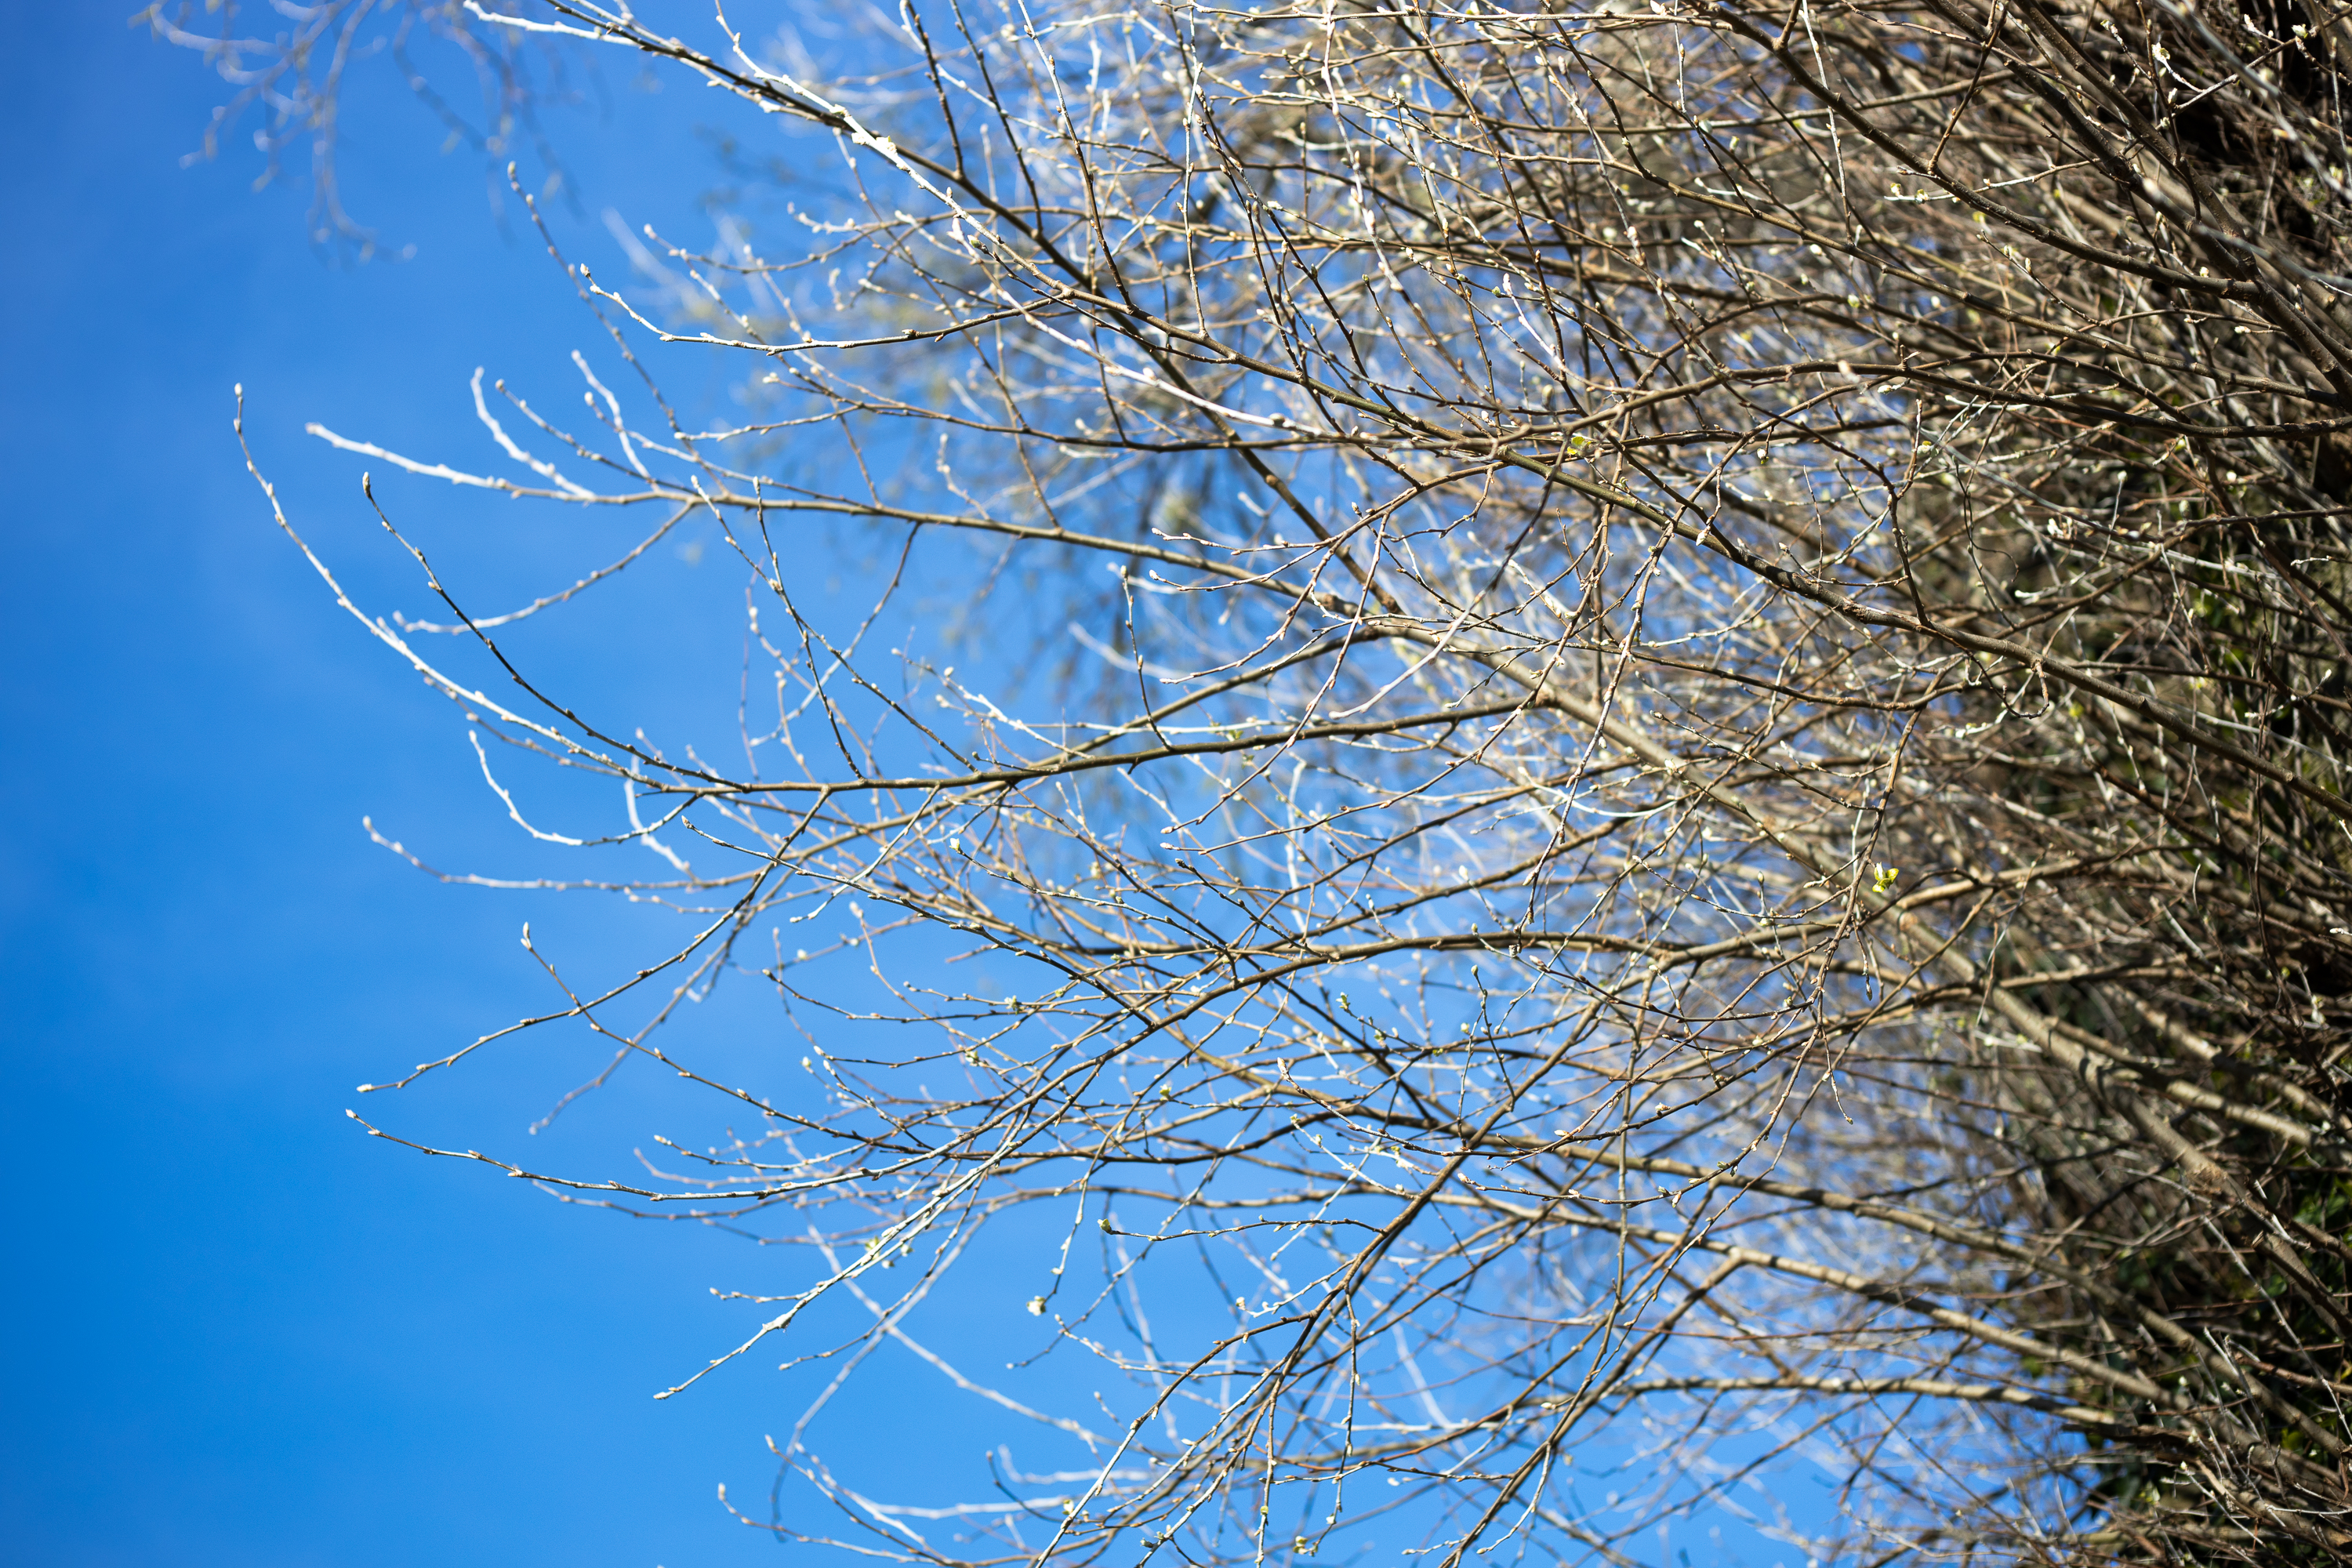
1700 814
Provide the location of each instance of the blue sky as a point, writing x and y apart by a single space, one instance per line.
236 1330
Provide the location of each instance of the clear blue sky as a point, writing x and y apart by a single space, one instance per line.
235 1331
